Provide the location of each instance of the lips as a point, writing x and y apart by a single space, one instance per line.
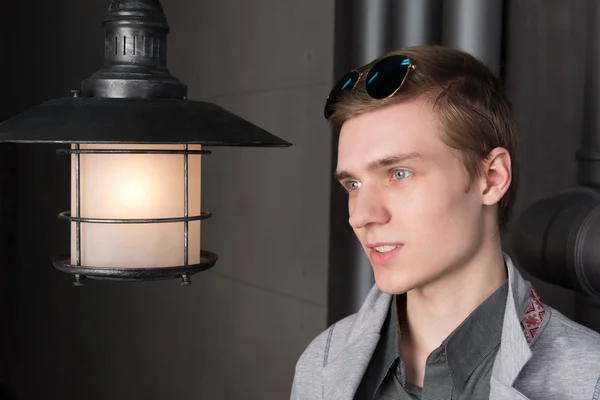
381 254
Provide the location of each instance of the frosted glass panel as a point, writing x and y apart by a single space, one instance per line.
136 186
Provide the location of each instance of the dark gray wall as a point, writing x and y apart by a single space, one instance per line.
545 60
7 201
239 329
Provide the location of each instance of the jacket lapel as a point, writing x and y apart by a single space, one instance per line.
342 376
514 350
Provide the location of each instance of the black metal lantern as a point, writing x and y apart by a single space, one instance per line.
136 143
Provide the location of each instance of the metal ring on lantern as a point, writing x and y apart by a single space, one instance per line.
62 262
126 151
67 215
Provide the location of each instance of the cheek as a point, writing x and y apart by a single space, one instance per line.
442 228
442 209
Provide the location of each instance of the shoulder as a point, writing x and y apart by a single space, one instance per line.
326 345
566 359
310 365
567 336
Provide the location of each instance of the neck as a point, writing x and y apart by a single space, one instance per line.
436 310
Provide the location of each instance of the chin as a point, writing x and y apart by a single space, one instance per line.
390 282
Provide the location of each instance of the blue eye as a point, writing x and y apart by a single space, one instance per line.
352 186
400 174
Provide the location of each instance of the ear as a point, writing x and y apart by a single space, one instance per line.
497 175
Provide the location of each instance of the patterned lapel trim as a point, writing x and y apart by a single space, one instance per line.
534 315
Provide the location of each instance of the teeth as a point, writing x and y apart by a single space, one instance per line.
384 249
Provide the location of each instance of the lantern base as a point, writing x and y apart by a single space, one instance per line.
207 261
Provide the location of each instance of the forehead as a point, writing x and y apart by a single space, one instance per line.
410 127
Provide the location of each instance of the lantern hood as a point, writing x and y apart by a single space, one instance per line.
133 98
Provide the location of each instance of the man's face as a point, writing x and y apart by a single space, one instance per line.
409 201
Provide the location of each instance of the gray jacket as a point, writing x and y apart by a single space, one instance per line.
555 359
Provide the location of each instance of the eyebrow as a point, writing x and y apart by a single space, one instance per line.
381 163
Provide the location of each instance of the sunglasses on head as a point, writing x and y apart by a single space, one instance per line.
384 79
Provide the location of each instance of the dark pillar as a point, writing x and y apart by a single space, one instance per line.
475 26
360 36
415 23
589 153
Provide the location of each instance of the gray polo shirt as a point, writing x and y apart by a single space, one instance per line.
460 367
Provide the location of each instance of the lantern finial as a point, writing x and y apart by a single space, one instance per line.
135 54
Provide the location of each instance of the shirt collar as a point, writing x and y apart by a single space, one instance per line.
466 346
390 342
476 337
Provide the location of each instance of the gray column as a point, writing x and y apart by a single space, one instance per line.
360 33
414 23
589 153
360 36
475 26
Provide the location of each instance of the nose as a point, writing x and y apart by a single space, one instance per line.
367 207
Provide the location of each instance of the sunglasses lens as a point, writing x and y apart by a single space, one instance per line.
346 83
386 76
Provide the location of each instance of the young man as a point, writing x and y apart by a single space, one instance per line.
427 154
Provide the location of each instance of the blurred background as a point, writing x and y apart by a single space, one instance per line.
238 331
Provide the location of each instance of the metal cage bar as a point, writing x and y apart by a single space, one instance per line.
77 207
185 207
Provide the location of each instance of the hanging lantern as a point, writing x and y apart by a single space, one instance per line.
135 145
